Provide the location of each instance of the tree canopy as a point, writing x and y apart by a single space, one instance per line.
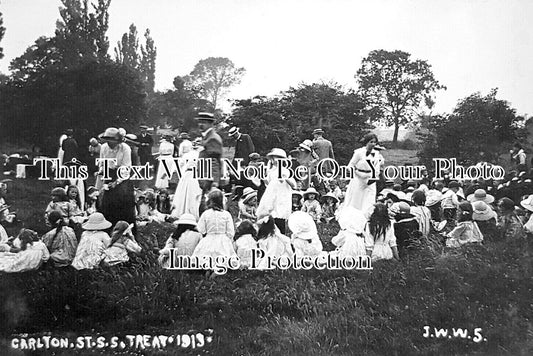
393 86
212 77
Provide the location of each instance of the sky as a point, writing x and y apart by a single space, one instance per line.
472 45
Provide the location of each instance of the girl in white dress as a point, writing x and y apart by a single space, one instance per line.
188 192
305 238
277 198
216 225
31 256
360 194
245 242
61 241
380 240
350 240
122 242
184 239
93 242
272 242
166 152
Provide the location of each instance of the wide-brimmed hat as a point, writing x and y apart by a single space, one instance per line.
352 219
302 225
205 116
233 131
318 131
306 145
433 197
248 193
329 195
143 126
131 137
310 190
277 152
4 207
528 203
96 221
184 135
111 134
93 141
482 211
480 195
254 156
187 219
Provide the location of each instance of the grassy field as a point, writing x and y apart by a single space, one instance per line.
378 312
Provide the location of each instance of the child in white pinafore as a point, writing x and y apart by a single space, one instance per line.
122 242
245 242
273 243
380 240
305 238
350 241
216 225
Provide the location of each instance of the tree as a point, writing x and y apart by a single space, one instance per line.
476 131
287 120
2 33
143 61
393 86
213 77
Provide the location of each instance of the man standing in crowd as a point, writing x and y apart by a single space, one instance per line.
518 156
145 142
69 146
243 145
323 148
212 144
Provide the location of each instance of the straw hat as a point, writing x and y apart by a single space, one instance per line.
307 145
248 193
310 190
352 219
318 131
96 221
233 131
277 152
528 203
187 219
111 134
482 212
205 116
329 195
480 195
254 156
184 135
302 225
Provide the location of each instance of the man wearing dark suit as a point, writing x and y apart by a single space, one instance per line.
212 144
243 145
70 147
145 142
323 148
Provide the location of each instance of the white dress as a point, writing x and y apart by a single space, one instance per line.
30 259
118 252
218 228
91 249
382 248
277 198
274 245
188 192
348 244
184 246
244 246
359 193
166 150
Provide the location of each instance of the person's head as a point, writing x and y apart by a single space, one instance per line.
318 133
370 140
186 222
27 237
58 194
3 187
310 194
119 230
465 211
73 192
275 154
266 227
506 206
144 129
454 186
517 146
215 200
56 218
112 137
69 132
379 221
419 198
163 194
296 198
245 228
234 133
205 120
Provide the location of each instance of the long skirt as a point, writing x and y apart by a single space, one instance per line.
162 178
360 195
187 197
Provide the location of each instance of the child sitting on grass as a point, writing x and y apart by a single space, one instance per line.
244 242
59 203
93 242
61 241
272 241
380 241
311 205
329 207
30 256
466 230
304 238
184 239
350 240
509 224
248 205
122 242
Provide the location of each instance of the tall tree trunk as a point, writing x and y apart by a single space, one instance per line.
396 129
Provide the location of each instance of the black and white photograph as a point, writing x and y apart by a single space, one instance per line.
285 177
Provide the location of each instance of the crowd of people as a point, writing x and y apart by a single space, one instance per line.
97 225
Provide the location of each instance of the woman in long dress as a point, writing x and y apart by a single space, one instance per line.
188 192
166 156
117 198
361 192
277 198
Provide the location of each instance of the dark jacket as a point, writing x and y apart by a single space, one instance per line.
243 147
212 144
